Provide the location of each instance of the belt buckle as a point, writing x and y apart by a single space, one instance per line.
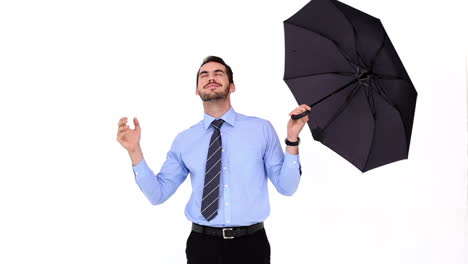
224 233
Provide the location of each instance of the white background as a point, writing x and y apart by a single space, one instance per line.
70 69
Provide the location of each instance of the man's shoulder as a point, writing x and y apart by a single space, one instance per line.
196 128
254 120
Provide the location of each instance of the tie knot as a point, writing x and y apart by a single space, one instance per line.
217 123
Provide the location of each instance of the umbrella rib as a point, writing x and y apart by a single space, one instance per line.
323 73
370 149
354 34
385 97
331 94
355 41
342 107
372 107
378 51
372 103
382 92
356 46
390 77
370 98
332 41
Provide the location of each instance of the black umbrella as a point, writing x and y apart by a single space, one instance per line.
340 61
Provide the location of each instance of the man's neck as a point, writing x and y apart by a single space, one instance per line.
216 109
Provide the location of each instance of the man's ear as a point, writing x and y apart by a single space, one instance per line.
232 87
196 91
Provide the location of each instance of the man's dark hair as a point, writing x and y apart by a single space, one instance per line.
221 61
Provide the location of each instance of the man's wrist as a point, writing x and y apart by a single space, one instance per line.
136 156
292 137
291 141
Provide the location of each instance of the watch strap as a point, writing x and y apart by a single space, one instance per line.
290 143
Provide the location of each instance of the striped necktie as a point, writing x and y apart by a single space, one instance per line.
209 207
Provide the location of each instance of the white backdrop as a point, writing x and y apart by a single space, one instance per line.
70 69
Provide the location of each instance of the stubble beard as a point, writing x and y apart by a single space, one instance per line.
212 96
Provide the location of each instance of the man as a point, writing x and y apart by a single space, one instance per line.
229 157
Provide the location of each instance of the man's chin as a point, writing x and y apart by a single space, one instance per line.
217 98
213 97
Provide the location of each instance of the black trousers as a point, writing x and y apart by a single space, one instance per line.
207 249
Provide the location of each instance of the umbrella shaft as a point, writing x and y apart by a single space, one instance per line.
335 92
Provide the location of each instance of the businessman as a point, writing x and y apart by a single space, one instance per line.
229 157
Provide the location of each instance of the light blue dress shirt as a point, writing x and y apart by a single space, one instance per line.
251 154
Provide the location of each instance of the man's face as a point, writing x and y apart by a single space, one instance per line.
213 82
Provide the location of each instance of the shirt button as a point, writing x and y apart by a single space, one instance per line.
225 186
227 221
136 173
227 204
225 168
223 150
294 162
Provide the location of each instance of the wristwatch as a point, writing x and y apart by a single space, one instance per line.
289 143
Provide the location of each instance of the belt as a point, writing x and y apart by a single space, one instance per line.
227 232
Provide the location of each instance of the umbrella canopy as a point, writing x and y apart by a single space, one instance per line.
341 62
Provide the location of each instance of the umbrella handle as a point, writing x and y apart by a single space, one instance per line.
301 115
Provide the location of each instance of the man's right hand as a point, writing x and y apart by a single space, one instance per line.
130 139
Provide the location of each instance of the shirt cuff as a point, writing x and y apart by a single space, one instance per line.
292 161
140 168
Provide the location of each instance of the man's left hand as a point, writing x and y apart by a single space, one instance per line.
295 126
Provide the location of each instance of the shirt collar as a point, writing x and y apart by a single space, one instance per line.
229 117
